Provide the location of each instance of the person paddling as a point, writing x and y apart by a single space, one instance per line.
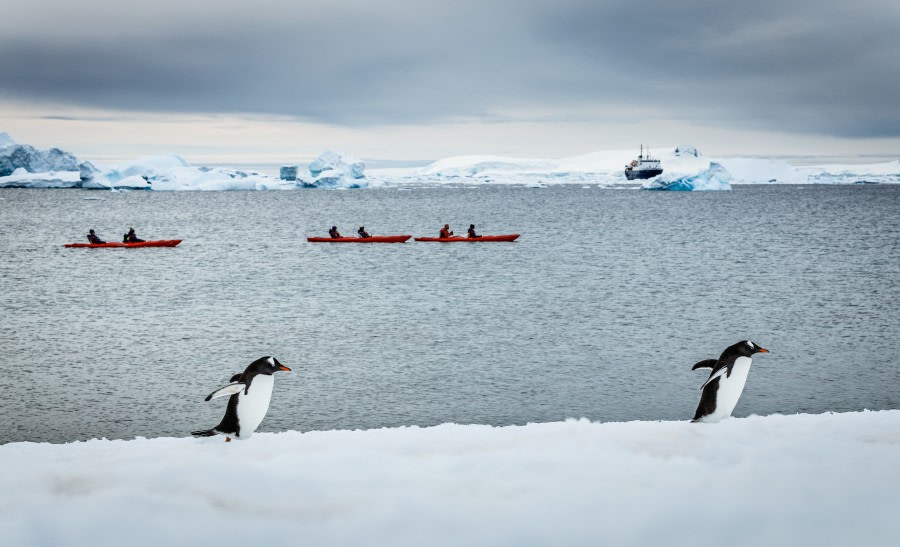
93 238
445 232
131 237
333 232
472 234
363 234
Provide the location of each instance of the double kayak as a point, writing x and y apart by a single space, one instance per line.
460 239
158 243
372 239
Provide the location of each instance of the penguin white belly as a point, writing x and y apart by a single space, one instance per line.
730 389
252 406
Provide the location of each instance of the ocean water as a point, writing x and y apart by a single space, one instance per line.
598 311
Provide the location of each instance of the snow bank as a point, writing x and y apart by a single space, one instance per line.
778 480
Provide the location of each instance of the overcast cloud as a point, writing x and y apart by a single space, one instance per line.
821 67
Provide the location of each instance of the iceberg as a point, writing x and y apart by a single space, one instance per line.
288 173
715 177
684 168
23 166
23 156
335 169
827 479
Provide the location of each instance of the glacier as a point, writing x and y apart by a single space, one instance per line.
827 479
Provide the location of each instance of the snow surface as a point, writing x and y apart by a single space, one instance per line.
826 479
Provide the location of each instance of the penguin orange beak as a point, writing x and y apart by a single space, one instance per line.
284 368
762 350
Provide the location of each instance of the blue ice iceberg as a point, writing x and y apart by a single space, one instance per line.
715 177
336 170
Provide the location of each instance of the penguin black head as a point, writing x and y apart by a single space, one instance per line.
267 365
748 348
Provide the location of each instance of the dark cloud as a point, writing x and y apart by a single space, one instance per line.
805 66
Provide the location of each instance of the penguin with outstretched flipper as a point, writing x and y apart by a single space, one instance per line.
720 394
250 392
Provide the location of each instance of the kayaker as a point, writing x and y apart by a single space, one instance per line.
92 237
445 232
131 237
362 232
472 233
333 232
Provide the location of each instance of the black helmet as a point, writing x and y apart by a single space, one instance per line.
91 231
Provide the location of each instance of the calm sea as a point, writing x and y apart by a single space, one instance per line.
598 311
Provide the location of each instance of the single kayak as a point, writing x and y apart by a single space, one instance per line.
158 243
373 239
460 239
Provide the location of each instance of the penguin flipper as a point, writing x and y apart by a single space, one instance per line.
714 375
236 377
706 363
230 389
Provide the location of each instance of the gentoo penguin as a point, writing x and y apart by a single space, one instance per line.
250 392
720 394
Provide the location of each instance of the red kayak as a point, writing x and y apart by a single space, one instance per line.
373 239
460 239
158 243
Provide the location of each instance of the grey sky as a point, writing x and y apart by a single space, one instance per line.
805 67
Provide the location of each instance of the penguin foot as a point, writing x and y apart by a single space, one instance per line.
227 439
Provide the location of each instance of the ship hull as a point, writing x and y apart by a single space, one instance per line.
642 174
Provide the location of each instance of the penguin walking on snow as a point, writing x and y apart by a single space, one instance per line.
720 394
250 393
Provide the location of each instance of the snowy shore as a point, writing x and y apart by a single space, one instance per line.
779 480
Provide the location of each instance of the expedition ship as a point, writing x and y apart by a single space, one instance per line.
644 167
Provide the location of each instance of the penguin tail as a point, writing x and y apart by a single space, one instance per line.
204 433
